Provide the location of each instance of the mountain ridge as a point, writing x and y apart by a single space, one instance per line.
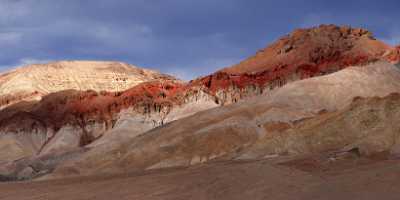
74 121
31 82
261 127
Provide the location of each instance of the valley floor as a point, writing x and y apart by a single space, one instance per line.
308 178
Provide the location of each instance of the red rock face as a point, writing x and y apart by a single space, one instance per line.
10 99
79 108
394 55
302 54
320 46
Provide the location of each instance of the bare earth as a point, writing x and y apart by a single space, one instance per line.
310 178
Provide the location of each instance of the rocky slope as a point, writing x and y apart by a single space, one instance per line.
70 119
334 112
64 124
304 53
34 81
324 47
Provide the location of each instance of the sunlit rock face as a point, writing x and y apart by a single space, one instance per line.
302 54
34 81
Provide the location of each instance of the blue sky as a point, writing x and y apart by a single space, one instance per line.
186 38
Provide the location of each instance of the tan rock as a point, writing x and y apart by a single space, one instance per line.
33 81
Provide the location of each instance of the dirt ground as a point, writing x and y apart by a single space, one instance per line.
302 179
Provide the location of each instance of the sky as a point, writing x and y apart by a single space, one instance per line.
185 38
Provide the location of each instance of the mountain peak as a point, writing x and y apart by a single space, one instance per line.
325 44
36 80
85 65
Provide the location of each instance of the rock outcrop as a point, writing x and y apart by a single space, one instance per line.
34 81
394 55
304 53
71 119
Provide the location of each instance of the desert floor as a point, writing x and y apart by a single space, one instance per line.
308 178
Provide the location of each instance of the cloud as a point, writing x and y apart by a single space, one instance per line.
318 18
22 62
30 61
393 38
184 37
10 38
315 19
200 68
143 33
12 10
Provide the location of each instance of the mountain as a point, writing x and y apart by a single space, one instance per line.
310 71
34 81
351 109
70 119
307 51
304 53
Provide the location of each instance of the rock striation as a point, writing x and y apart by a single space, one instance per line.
304 53
34 81
351 109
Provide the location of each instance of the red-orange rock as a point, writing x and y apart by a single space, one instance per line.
302 54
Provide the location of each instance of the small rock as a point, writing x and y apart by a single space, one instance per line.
395 151
26 173
286 49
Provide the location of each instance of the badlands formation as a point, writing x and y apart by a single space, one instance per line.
34 81
350 109
320 98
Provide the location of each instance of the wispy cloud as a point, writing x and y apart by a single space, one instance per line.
23 62
200 68
393 37
315 19
12 11
186 38
10 38
30 61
